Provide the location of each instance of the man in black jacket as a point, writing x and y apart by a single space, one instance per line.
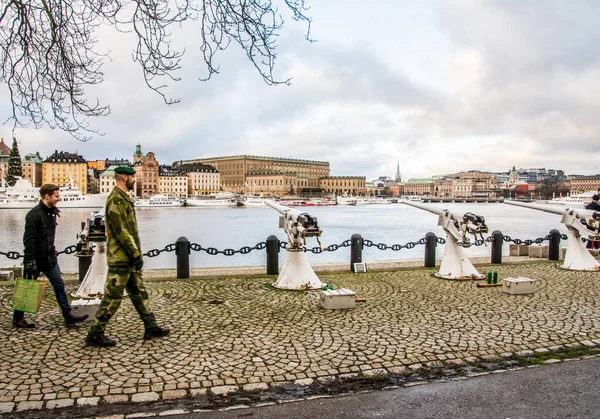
40 254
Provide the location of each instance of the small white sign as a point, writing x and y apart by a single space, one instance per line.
360 267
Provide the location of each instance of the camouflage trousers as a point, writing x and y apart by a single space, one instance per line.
119 279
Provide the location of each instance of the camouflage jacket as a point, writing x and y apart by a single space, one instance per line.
121 229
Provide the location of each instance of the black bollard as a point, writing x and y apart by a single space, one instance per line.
554 246
84 265
497 246
182 250
272 255
430 248
356 250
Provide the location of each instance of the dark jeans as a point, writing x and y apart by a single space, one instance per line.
55 277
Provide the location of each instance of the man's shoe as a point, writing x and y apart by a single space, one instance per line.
156 332
101 341
71 319
23 324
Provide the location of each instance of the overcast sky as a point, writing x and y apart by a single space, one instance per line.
439 86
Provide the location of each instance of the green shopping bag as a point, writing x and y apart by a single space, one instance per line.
28 294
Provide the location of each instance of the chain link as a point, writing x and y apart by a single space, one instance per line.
228 252
12 255
16 255
395 247
155 252
528 242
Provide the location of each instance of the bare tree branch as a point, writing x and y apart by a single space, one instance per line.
49 49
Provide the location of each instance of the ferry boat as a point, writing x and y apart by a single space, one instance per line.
23 195
158 201
581 199
251 201
346 200
413 198
213 200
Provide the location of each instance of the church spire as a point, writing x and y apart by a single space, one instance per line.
398 176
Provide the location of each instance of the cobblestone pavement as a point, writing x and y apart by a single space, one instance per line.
238 333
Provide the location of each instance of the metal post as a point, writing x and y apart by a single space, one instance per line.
430 248
554 246
497 246
84 264
356 250
272 255
182 250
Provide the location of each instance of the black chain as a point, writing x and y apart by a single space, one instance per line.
394 247
227 252
12 255
68 250
155 252
16 255
528 242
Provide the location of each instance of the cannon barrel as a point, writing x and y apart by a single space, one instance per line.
579 212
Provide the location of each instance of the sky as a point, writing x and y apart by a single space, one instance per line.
435 86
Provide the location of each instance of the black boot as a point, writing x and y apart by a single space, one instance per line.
22 323
156 332
71 319
101 341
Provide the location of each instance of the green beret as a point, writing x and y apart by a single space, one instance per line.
124 170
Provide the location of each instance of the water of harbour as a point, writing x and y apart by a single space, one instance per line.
234 228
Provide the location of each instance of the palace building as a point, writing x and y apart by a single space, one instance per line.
269 175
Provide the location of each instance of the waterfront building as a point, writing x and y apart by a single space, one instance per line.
581 184
146 173
272 184
172 182
235 170
106 180
4 154
203 179
420 186
32 169
443 188
344 185
62 167
99 165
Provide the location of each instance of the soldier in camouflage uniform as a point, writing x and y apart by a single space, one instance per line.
125 263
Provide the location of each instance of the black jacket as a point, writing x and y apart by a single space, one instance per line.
594 205
40 228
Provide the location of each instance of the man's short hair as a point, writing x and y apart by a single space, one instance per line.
596 197
48 189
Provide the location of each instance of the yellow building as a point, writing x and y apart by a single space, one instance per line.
172 183
581 184
277 184
344 185
202 179
235 170
60 168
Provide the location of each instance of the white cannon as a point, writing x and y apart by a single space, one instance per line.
89 295
455 264
296 273
579 222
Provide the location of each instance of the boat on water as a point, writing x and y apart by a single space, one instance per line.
346 200
251 201
158 201
212 200
412 198
24 195
578 200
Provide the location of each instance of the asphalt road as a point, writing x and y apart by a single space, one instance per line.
565 390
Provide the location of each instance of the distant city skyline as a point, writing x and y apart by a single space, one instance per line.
485 85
